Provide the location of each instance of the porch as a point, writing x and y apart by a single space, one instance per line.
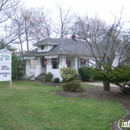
44 64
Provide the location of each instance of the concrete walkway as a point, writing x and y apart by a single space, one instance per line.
98 84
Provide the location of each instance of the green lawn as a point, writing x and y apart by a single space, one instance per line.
34 106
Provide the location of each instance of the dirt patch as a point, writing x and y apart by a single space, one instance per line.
97 93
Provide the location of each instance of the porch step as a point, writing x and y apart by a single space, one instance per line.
40 77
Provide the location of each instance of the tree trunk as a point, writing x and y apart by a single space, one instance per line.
106 85
26 35
20 41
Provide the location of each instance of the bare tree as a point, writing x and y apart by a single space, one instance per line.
105 41
43 30
7 9
10 31
28 25
30 20
65 21
123 55
18 30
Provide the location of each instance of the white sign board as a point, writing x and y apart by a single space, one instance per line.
28 58
5 65
49 57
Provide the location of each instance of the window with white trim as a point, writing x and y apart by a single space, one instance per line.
82 62
55 63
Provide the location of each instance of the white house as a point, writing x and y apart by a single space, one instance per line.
52 54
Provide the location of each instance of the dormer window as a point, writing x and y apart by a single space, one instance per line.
42 47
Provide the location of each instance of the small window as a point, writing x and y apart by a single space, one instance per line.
68 63
55 63
82 62
42 47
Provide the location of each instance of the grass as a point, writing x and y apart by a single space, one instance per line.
34 106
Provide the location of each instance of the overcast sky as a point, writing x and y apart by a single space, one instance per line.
91 7
104 8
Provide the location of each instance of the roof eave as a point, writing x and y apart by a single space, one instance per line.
50 54
40 44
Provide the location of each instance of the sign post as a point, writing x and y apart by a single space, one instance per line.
6 66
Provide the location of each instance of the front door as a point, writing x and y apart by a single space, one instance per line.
44 64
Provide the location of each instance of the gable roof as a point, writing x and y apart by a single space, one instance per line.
70 47
65 47
47 41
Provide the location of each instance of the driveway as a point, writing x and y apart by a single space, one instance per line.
98 84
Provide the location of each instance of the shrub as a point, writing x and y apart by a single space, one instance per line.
72 86
48 77
125 91
85 73
56 80
17 68
68 74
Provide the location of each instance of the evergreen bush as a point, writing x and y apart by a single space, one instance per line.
17 68
72 86
48 77
56 80
85 73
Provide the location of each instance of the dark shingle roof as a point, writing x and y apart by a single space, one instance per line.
47 41
66 47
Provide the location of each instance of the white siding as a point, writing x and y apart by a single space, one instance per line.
33 71
56 72
92 63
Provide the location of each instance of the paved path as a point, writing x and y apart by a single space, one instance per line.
98 84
